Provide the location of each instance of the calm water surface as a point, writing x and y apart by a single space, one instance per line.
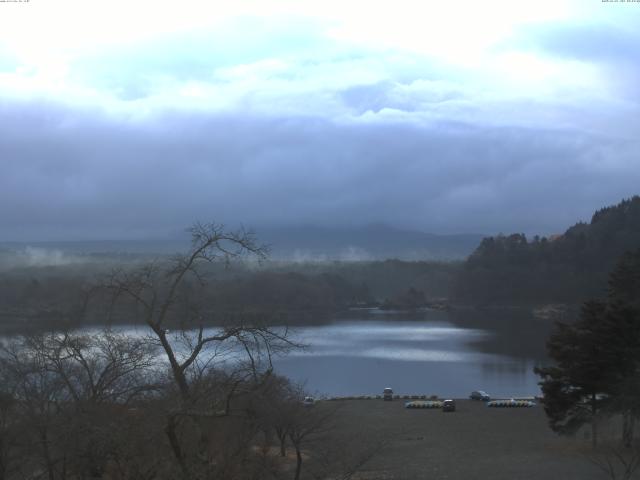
433 353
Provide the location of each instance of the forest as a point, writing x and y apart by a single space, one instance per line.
45 296
511 269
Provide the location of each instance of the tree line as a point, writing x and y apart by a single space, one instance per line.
54 297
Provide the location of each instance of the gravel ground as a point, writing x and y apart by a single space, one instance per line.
475 442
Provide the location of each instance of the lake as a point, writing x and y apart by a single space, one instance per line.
434 353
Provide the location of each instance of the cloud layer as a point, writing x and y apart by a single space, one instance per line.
288 118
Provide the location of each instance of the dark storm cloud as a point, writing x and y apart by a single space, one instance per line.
83 175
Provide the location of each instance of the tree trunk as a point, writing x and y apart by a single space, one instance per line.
283 448
594 422
3 455
44 438
170 431
178 373
282 437
628 424
298 463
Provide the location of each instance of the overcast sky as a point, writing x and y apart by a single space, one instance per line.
123 119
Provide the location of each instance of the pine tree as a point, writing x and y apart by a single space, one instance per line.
597 358
575 388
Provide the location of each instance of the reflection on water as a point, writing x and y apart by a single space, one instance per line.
443 353
435 353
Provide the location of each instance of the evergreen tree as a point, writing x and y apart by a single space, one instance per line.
624 281
574 389
598 358
623 325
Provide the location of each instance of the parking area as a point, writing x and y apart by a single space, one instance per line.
473 442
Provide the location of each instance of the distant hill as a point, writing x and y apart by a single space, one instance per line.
564 268
295 243
373 242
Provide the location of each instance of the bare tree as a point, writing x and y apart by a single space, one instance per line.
158 291
326 449
182 399
163 296
9 432
616 461
97 368
68 395
306 425
39 397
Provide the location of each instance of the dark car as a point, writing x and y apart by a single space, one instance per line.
387 394
480 395
449 405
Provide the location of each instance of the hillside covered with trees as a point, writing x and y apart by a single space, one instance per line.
511 269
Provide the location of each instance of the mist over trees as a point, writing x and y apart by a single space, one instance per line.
503 270
41 297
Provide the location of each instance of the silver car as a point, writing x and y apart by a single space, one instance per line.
449 405
387 394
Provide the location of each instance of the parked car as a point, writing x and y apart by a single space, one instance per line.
480 395
387 394
449 405
308 402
